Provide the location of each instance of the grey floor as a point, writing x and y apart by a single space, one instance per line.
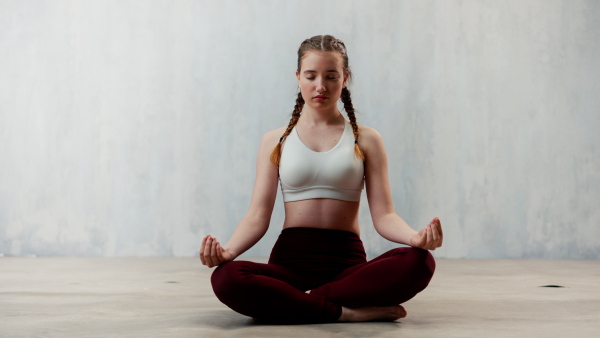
172 297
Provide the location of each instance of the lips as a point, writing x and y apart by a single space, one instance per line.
320 97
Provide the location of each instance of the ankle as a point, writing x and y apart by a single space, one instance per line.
346 314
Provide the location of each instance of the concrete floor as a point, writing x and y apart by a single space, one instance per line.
172 297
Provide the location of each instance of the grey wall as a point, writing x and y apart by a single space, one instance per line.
130 128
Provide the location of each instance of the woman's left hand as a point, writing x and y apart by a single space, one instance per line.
430 237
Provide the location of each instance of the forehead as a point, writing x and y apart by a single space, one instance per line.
321 61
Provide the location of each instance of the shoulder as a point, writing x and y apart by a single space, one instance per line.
371 144
370 140
273 136
270 139
368 134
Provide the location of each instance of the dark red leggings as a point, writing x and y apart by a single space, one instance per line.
330 263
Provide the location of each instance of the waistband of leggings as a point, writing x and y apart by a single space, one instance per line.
317 248
309 241
321 231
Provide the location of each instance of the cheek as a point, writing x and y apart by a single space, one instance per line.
336 84
303 84
337 88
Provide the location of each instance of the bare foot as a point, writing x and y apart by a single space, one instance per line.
376 313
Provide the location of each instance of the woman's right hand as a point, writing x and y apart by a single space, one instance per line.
212 254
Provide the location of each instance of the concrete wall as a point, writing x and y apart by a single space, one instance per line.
130 128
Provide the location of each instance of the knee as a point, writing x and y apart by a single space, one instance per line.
414 270
422 259
424 264
419 261
226 277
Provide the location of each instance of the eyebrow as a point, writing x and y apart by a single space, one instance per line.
314 71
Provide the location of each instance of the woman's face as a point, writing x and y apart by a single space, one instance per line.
321 79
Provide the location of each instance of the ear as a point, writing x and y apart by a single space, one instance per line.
345 79
297 75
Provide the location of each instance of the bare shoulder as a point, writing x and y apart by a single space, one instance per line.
370 140
368 133
275 132
271 137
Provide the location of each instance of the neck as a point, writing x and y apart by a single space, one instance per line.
313 117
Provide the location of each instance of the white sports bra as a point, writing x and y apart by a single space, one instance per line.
306 174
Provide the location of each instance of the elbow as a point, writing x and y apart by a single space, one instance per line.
380 220
259 222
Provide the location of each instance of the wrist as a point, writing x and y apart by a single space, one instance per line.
231 252
413 238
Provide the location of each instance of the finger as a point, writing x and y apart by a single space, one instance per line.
436 242
202 257
429 238
439 231
206 252
207 256
202 250
220 253
211 249
439 225
435 235
213 252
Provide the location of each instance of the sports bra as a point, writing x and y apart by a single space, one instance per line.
306 174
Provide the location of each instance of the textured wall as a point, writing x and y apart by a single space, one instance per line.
131 127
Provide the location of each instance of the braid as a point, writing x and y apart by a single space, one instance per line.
276 153
349 108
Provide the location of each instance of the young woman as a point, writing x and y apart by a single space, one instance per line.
317 270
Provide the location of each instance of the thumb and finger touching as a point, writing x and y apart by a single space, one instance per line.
211 252
431 236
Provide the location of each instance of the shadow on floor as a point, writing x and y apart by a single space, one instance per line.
229 321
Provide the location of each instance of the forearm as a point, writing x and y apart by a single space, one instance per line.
249 231
393 228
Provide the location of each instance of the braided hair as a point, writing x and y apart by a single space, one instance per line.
321 43
349 108
276 153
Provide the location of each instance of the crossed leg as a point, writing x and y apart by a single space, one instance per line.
270 292
276 293
390 279
374 290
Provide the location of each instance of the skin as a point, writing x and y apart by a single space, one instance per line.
320 128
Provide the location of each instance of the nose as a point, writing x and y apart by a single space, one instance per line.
321 86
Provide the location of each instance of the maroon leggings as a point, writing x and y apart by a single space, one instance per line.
330 263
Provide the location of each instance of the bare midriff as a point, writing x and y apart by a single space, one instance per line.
322 213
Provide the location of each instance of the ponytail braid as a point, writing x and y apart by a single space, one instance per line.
349 108
276 153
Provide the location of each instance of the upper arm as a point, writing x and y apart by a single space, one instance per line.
267 174
376 174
